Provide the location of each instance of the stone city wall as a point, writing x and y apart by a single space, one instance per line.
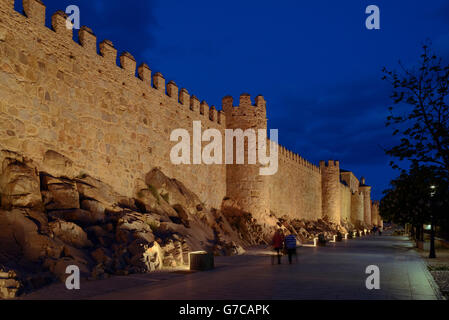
58 94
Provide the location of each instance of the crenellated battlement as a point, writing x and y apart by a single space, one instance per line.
245 108
34 9
330 164
292 157
35 12
113 115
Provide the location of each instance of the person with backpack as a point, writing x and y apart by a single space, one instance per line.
290 245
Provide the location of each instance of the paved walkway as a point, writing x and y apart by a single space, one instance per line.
333 272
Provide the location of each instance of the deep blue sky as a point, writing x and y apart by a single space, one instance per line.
314 61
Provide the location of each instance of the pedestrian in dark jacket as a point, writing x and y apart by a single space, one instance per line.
278 242
290 245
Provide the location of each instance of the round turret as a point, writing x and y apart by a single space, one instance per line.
366 190
330 184
244 184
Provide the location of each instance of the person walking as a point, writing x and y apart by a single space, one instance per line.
278 241
290 245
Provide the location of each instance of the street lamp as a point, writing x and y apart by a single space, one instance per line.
432 254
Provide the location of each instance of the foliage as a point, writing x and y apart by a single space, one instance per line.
415 196
438 268
155 194
82 175
422 95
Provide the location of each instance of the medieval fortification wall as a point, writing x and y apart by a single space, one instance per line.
58 94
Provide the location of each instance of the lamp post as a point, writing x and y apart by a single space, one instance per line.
432 254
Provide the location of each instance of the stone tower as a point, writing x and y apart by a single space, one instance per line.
366 190
244 183
375 217
330 182
357 209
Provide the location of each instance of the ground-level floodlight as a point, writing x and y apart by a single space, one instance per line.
346 236
315 242
360 233
354 234
365 231
335 238
201 261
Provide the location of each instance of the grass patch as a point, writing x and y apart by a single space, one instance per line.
155 194
82 175
438 268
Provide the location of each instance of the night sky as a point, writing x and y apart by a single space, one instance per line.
316 64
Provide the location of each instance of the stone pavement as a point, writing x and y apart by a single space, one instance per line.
333 272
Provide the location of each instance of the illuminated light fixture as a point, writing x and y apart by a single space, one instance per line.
201 260
427 226
346 236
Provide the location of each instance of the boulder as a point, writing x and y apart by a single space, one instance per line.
20 237
78 216
153 203
100 236
70 233
102 256
59 267
172 191
135 225
182 214
169 228
59 194
9 286
57 165
175 253
19 184
145 257
39 218
78 255
303 233
93 189
94 207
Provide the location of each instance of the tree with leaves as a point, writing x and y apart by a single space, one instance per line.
418 197
420 112
408 199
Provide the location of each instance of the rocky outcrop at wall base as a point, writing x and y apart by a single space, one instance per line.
306 231
52 219
49 222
